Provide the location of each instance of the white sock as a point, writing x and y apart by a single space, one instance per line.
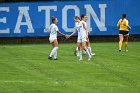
77 49
55 54
88 53
80 54
89 49
53 51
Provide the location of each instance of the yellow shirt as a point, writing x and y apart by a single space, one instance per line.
123 25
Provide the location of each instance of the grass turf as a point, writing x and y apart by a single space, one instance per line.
26 69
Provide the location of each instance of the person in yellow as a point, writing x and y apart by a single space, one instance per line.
123 32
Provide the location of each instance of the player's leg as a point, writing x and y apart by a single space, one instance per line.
76 51
89 48
84 48
120 42
79 50
54 50
55 56
126 42
55 43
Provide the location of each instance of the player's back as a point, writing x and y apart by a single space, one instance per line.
53 31
123 24
84 23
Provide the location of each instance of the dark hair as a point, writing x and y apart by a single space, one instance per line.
76 17
82 16
123 16
53 19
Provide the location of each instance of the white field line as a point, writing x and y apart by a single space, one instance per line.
17 81
104 84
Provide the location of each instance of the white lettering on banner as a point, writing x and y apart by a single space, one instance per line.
64 16
23 11
47 14
3 20
100 23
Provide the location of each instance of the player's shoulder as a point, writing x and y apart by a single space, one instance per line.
82 21
76 23
126 20
54 25
120 20
85 23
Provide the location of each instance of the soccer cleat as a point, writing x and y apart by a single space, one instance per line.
56 59
50 58
89 58
126 50
93 54
80 59
78 54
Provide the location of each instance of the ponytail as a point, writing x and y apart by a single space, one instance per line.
53 19
123 17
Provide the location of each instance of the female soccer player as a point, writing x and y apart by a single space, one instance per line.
82 36
123 32
53 38
84 19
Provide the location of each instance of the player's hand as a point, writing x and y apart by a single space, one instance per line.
67 36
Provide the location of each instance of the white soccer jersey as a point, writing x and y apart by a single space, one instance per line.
84 23
81 30
53 31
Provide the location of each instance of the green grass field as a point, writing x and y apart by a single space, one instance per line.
24 68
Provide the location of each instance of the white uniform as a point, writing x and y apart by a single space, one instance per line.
81 32
84 23
86 27
53 32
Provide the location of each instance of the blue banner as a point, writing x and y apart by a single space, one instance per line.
33 19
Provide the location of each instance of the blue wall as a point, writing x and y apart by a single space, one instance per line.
113 11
